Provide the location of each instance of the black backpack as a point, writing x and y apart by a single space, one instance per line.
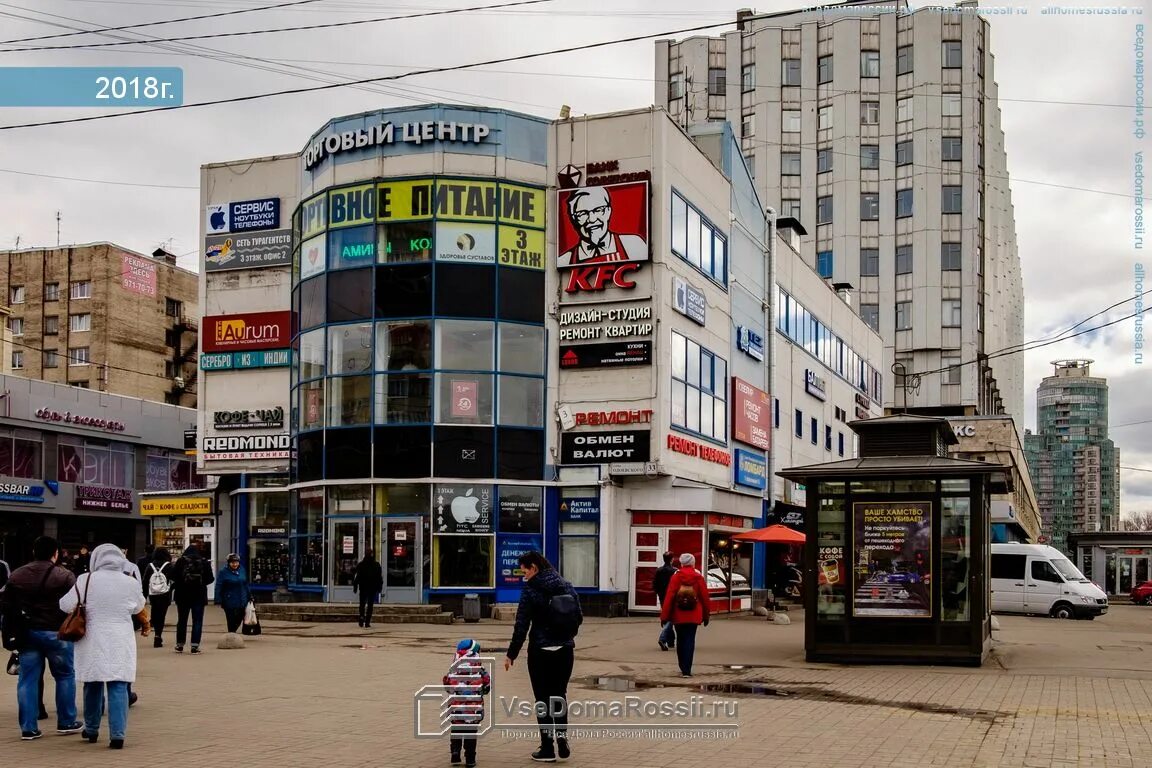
193 574
564 615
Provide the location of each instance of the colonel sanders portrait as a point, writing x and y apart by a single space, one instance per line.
590 211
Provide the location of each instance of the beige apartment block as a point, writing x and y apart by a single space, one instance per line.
99 316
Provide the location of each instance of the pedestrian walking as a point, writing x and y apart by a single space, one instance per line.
660 583
143 563
548 617
157 588
190 578
106 654
132 569
467 683
686 608
32 617
369 581
82 561
232 592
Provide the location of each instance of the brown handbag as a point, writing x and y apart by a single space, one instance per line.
76 622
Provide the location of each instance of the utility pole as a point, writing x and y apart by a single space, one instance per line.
57 229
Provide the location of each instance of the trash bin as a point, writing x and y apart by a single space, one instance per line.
471 608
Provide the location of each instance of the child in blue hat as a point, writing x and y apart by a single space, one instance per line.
468 682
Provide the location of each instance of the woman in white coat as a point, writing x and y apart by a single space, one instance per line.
107 653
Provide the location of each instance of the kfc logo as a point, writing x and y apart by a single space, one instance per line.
604 234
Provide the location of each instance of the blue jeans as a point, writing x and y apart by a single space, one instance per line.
44 645
685 646
117 707
182 611
668 635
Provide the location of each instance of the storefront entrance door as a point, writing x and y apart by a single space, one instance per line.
201 533
402 560
346 548
1131 571
648 548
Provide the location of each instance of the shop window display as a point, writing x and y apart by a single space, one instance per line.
404 345
464 398
309 512
520 509
312 405
405 242
465 345
349 401
21 457
462 561
96 463
955 557
351 247
308 561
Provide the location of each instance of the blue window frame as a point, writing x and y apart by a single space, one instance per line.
799 423
699 390
824 263
698 241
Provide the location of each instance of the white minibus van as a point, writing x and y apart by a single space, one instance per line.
1038 579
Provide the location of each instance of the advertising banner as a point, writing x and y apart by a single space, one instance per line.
97 497
751 470
464 399
257 418
892 558
602 235
313 256
246 447
689 300
751 414
521 509
196 506
256 330
267 249
509 549
244 216
138 275
580 510
466 243
23 492
632 445
610 355
462 509
227 361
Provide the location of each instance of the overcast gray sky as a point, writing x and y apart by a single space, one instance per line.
1057 75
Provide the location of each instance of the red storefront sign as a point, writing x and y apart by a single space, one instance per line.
605 418
602 235
699 450
751 414
255 330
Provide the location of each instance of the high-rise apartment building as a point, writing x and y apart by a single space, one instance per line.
1075 467
102 317
878 129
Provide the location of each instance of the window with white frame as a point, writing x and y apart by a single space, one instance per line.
952 54
80 289
78 356
870 206
904 110
790 121
789 163
903 315
17 360
704 245
16 326
699 389
950 105
16 294
904 60
824 210
80 322
950 313
869 113
824 117
869 63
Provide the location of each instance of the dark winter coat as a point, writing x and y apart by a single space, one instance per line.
674 613
40 603
661 580
232 589
185 595
532 616
369 576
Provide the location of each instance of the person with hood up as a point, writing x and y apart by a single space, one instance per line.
467 683
106 655
232 592
548 617
369 580
686 608
190 578
158 588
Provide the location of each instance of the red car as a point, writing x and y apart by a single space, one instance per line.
1142 593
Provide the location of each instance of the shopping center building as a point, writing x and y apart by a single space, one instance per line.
502 333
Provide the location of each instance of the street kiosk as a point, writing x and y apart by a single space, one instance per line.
897 548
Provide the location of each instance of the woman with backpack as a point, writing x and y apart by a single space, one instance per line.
232 592
686 607
549 617
190 580
158 588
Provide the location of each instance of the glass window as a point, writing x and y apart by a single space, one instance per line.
790 208
823 160
308 560
404 290
903 203
799 423
950 105
717 81
51 291
703 389
951 373
870 314
312 360
51 358
16 326
78 356
349 348
748 77
349 295
950 256
824 263
824 69
96 463
824 210
815 430
313 302
869 261
463 398
80 289
351 247
790 73
748 126
1042 570
951 199
904 152
521 348
465 290
52 327
824 118
869 113
679 226
870 206
80 322
950 313
952 55
404 345
312 405
869 63
903 259
903 315
675 85
462 561
790 121
349 400
21 457
903 59
520 294
521 401
705 247
404 398
951 148
17 360
789 163
520 509
313 256
579 555
904 110
16 294
404 242
466 345
693 237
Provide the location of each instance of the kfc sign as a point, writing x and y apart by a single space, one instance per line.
256 330
751 414
606 418
603 236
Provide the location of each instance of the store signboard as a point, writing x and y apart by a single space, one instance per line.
138 275
815 385
689 300
610 355
462 509
259 418
633 445
465 243
580 510
751 414
230 361
430 132
249 331
620 321
266 249
100 498
240 448
80 420
176 506
17 491
508 551
892 558
244 216
750 343
602 235
751 469
699 450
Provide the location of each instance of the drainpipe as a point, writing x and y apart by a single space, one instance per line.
770 310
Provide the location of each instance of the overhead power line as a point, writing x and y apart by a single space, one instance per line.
151 23
385 78
330 25
96 181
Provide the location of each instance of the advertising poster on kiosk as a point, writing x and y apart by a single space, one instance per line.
892 556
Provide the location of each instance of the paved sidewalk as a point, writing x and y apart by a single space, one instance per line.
336 695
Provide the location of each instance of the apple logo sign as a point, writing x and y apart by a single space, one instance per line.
218 218
464 508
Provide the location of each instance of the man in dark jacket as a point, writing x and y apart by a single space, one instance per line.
550 649
34 591
369 580
660 586
190 580
142 567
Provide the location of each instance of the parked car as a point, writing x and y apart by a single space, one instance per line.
1141 594
1037 579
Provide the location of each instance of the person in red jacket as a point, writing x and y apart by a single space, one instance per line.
686 607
